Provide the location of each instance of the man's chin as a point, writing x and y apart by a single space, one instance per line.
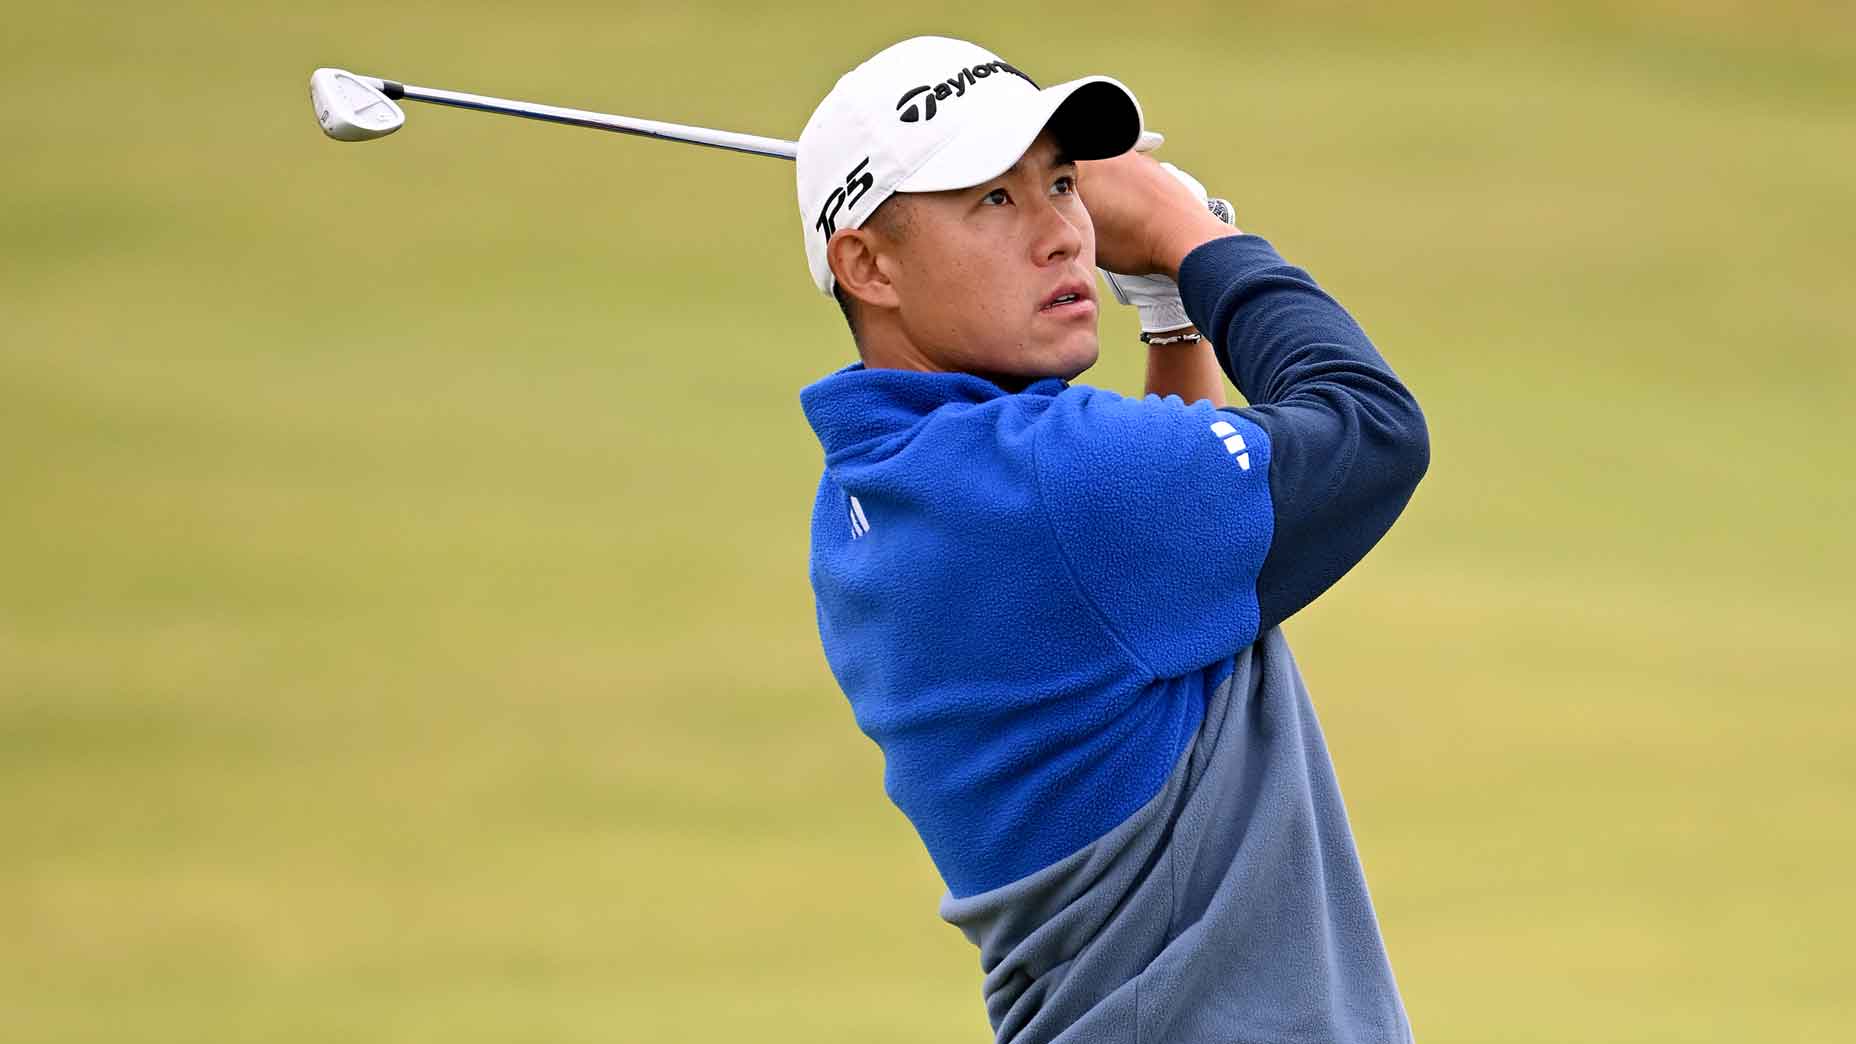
1065 362
1079 362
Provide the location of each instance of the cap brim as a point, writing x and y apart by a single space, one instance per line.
1092 118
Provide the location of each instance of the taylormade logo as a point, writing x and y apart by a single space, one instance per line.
955 86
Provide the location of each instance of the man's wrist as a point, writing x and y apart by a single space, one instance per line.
1187 237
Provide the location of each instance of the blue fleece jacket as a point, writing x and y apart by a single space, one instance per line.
1031 599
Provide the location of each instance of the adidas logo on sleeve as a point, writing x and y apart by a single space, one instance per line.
1233 442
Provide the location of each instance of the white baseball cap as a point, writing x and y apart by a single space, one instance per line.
931 113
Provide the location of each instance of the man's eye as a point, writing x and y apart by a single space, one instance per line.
1065 185
997 197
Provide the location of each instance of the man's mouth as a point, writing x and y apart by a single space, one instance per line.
1070 297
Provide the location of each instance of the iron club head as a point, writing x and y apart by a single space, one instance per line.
352 108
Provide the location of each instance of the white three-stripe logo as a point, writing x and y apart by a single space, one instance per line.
1233 442
859 524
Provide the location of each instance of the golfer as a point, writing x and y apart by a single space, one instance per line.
1056 610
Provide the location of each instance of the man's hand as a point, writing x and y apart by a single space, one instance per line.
1146 220
1156 297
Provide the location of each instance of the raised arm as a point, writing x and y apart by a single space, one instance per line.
1347 441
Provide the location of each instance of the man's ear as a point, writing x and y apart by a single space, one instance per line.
852 254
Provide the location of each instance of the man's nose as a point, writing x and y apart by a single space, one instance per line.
1059 238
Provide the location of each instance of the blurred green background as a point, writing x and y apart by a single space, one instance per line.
404 626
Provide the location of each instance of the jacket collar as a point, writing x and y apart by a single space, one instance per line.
854 405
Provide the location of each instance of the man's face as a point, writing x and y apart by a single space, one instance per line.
977 271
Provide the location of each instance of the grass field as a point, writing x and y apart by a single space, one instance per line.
404 628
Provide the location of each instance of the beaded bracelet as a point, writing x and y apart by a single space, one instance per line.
1185 338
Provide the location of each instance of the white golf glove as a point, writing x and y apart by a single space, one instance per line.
1156 297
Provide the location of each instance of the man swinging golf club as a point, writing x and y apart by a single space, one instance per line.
1056 609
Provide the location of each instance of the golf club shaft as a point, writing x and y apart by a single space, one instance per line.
753 144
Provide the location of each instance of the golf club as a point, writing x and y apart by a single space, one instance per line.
352 107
